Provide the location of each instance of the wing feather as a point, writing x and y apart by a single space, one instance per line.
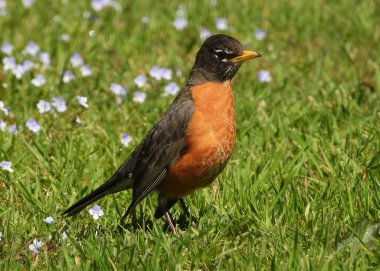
162 146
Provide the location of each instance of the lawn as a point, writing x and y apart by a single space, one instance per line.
302 189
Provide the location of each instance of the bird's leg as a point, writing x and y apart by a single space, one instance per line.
194 221
169 220
164 204
134 219
141 217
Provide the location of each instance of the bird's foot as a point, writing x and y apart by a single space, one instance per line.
190 217
169 221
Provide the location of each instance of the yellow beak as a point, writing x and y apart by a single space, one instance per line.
245 56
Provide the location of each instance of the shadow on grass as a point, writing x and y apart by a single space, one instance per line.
146 225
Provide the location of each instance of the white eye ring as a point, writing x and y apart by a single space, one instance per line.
224 59
227 52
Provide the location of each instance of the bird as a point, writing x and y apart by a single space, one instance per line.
192 142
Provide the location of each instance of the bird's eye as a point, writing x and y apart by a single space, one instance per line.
223 55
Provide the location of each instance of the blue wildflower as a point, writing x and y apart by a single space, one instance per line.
43 106
139 97
98 5
260 34
64 37
155 72
3 125
118 90
140 80
3 8
64 235
28 3
264 76
145 20
35 246
67 76
125 140
180 23
96 212
82 101
204 33
76 60
2 108
166 73
31 49
221 24
160 73
13 129
86 71
44 57
59 104
48 220
33 125
6 166
7 48
28 65
171 89
18 71
9 63
78 121
39 80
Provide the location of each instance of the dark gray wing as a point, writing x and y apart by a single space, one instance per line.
161 147
149 162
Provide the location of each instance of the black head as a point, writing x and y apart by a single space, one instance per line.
219 59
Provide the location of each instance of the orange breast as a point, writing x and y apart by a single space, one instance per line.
210 140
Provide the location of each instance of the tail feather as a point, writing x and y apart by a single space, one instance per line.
113 185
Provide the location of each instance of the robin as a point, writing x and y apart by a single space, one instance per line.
193 141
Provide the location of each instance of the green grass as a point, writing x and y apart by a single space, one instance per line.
304 173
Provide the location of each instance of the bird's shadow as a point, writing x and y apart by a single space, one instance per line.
146 224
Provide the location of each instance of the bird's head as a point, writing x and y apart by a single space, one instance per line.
218 59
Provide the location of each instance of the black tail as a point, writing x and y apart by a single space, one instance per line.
113 185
